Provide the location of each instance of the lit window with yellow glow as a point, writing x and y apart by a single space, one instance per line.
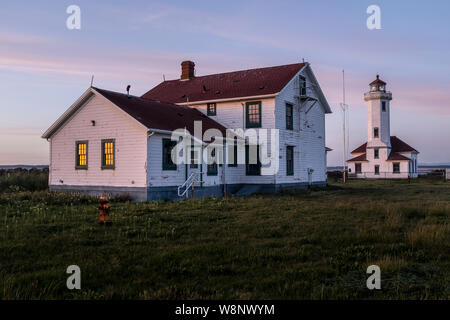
108 154
81 160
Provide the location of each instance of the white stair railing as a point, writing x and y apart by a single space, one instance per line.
189 183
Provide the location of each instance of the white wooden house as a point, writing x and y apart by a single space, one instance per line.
383 156
113 143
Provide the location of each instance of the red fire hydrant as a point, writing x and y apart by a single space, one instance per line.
104 208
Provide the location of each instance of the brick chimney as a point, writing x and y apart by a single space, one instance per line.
187 70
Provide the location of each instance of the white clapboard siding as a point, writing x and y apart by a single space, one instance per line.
157 177
307 136
110 123
232 115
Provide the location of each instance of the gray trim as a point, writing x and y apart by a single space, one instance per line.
170 193
103 155
135 193
77 166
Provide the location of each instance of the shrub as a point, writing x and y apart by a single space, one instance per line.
23 180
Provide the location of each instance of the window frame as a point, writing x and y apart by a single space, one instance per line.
104 165
376 153
192 164
77 156
212 169
235 156
376 132
377 169
383 106
358 165
248 171
247 115
290 170
393 167
302 85
168 166
210 113
289 125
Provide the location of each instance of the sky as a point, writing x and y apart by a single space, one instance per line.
45 67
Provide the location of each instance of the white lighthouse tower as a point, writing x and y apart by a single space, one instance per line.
378 118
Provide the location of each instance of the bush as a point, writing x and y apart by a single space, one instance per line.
17 180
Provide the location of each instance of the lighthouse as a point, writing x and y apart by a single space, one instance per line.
383 155
378 115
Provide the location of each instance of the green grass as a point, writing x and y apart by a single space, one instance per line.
296 245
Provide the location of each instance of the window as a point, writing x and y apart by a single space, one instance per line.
383 106
252 168
253 114
377 169
194 158
232 162
211 109
396 167
289 116
81 155
375 132
108 154
212 168
302 85
289 160
357 167
167 146
376 153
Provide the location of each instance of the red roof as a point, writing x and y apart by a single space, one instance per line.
161 115
397 145
359 158
360 149
245 83
400 146
377 80
397 156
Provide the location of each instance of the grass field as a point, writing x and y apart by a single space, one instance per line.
312 244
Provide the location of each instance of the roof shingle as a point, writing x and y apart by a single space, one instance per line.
245 83
161 115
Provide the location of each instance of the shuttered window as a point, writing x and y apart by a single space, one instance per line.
108 154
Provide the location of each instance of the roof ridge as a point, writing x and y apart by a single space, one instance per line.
243 70
141 97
